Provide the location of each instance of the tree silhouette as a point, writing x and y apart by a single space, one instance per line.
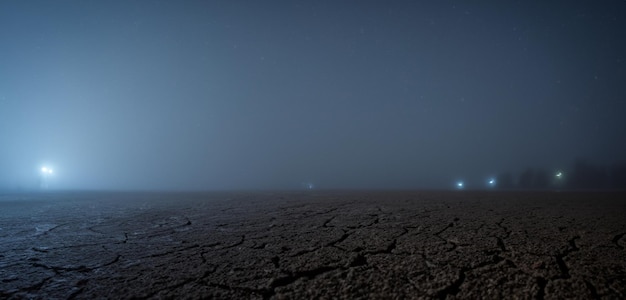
526 179
617 176
541 179
505 181
587 176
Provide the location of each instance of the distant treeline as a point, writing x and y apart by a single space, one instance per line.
581 176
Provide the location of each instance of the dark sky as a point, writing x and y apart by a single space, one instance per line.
270 94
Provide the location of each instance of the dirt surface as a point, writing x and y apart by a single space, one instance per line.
346 245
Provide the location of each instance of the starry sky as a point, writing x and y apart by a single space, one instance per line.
209 95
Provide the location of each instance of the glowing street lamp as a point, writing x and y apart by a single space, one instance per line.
459 185
45 173
492 182
559 179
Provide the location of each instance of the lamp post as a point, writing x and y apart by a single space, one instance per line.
45 174
459 185
559 179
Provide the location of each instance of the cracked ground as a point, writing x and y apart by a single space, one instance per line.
295 245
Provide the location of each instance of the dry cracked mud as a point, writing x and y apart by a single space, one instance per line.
297 245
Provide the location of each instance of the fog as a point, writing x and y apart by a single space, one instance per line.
213 95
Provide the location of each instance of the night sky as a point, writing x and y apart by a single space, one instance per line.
274 95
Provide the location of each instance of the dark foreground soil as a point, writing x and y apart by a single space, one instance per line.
340 245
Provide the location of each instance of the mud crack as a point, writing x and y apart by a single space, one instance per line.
616 240
541 283
561 256
453 288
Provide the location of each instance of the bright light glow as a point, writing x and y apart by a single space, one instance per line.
559 174
492 182
459 184
46 174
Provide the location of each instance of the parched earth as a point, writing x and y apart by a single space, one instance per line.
302 245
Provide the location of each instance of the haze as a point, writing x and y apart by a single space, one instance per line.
205 95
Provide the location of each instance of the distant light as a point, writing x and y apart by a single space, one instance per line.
310 186
44 170
559 174
49 171
459 184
